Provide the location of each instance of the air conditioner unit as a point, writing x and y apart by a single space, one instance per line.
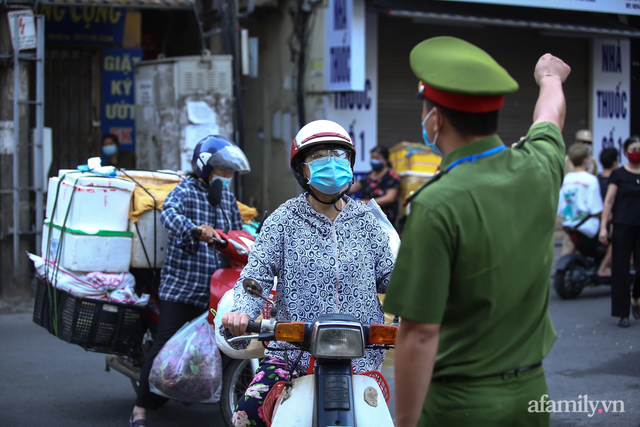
178 102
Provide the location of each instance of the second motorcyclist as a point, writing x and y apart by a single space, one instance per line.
184 285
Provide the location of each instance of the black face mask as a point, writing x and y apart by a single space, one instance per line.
377 165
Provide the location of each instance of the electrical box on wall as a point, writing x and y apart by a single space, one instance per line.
179 101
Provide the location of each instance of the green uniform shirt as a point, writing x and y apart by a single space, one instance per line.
476 255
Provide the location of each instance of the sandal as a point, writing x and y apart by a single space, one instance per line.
635 310
623 323
137 423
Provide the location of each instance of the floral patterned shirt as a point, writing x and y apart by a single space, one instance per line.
322 267
375 188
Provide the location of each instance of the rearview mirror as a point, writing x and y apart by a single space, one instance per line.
252 287
215 192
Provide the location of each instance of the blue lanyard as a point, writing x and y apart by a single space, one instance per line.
475 157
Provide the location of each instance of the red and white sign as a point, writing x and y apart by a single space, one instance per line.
26 29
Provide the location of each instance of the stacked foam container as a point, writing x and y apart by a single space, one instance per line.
93 212
150 238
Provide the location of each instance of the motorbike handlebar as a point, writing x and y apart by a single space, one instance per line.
197 232
254 327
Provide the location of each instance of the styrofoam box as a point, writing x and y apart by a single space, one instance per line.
108 254
99 203
145 234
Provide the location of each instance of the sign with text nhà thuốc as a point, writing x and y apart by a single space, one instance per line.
611 95
357 111
344 45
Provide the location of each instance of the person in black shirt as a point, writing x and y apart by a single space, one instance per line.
609 161
623 198
381 184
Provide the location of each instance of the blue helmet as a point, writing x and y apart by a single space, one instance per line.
216 151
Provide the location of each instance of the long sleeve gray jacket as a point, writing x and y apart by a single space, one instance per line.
322 267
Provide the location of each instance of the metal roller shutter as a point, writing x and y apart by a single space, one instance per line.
515 49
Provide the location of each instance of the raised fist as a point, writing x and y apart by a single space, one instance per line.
551 65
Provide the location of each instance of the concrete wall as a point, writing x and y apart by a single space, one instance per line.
271 181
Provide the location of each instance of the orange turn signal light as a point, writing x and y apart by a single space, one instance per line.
382 334
290 331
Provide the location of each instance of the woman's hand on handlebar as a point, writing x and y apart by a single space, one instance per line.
236 322
209 234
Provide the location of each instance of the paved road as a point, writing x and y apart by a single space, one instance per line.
47 382
593 356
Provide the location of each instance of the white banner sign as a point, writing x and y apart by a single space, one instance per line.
611 95
625 7
26 29
344 51
357 112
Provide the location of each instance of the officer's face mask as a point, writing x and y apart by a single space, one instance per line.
428 143
225 181
109 150
330 174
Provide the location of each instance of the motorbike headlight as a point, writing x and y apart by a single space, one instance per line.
338 341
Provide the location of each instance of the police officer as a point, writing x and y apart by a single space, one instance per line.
471 282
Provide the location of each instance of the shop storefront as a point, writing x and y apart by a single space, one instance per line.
516 35
91 52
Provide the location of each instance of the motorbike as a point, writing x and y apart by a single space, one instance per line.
332 395
237 374
577 270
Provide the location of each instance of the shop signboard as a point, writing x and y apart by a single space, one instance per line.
611 95
83 24
625 7
344 50
357 111
118 101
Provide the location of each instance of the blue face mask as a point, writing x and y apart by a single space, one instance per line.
330 174
376 165
428 143
109 150
225 181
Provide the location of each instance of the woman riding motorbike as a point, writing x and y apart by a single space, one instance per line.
328 252
184 283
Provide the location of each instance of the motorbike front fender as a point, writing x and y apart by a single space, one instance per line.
297 410
564 262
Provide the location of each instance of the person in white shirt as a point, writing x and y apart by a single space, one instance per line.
580 195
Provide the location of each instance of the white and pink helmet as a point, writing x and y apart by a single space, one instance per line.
321 132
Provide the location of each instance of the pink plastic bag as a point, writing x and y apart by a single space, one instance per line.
189 366
115 287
